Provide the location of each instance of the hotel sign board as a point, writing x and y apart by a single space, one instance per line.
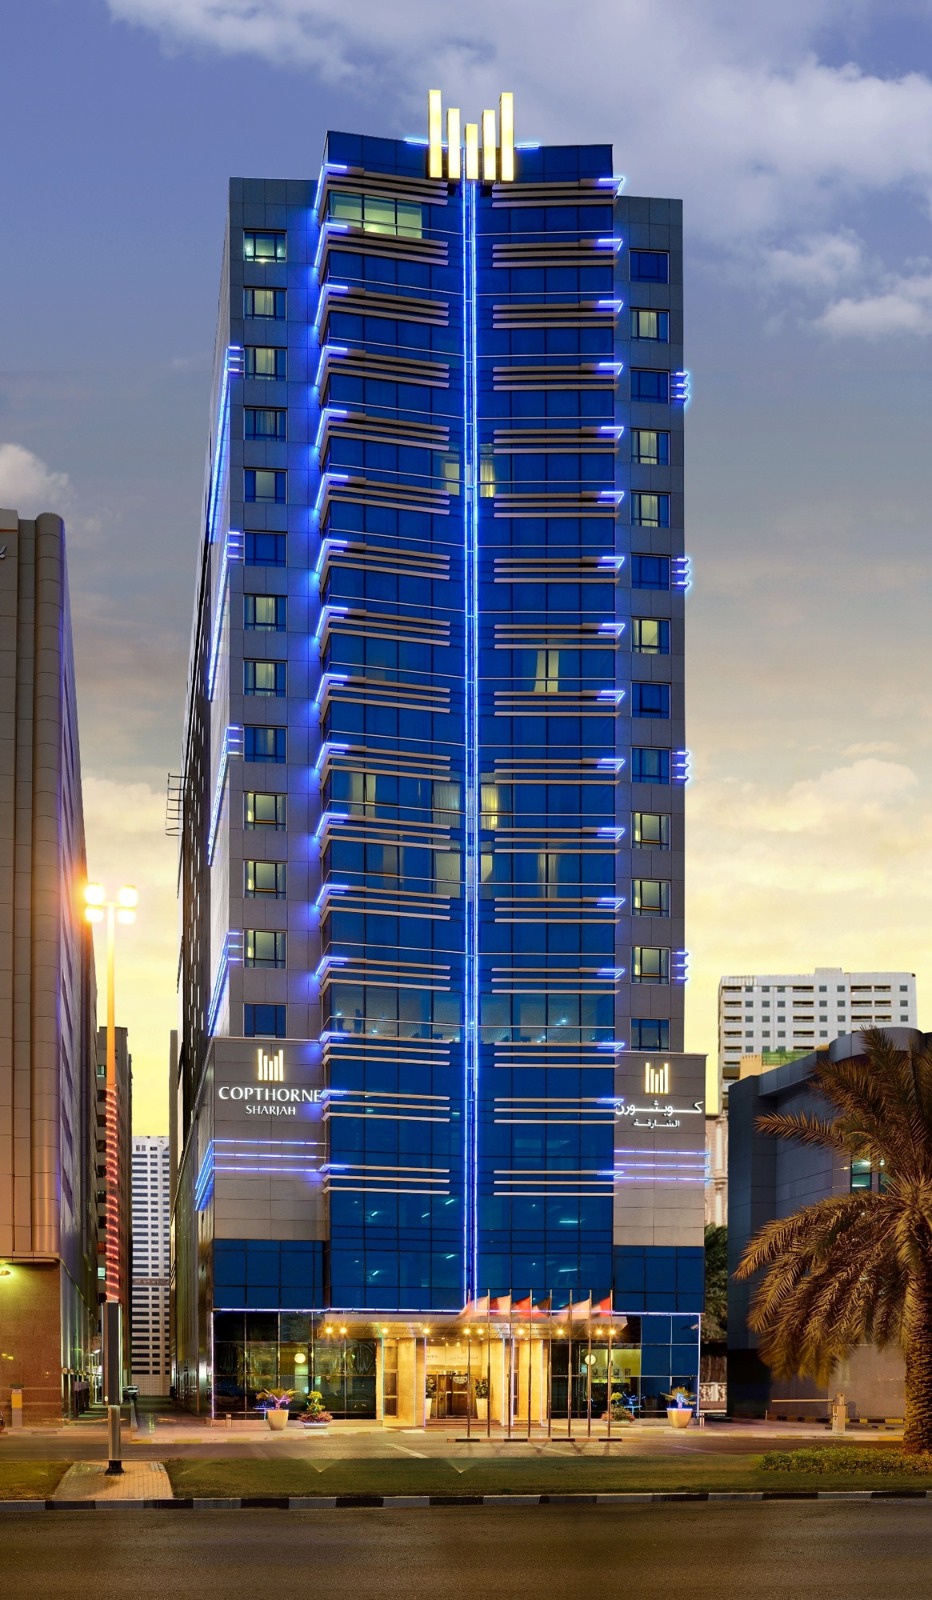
254 1081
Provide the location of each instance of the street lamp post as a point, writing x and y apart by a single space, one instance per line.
122 910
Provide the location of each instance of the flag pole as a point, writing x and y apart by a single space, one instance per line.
469 1400
489 1365
530 1342
511 1366
569 1371
589 1371
608 1364
550 1365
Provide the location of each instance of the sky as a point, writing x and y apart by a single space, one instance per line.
800 139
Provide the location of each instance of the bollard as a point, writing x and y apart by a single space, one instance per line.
839 1414
114 1445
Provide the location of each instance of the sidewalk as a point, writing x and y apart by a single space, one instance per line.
139 1480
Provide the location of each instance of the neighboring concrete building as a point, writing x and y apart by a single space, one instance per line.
771 1178
716 1170
151 1353
48 1221
124 1086
432 804
800 1011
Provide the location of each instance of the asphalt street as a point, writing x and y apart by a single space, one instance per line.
769 1551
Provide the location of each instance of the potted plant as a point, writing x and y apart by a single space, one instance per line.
621 1407
277 1402
315 1415
679 1407
482 1398
430 1389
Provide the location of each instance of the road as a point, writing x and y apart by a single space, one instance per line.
769 1551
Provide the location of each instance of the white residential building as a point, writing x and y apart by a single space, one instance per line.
802 1011
151 1214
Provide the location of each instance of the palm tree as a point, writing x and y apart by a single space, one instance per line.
857 1266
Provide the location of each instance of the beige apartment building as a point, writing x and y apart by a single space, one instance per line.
48 1134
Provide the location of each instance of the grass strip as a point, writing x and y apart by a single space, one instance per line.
30 1480
236 1477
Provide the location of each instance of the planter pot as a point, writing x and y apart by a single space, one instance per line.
482 1408
316 1427
428 1406
277 1419
679 1416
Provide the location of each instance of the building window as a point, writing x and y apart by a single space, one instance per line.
650 266
650 636
650 325
650 766
650 448
647 385
650 700
650 510
650 1033
264 303
264 423
264 678
262 484
651 897
263 246
650 572
264 878
264 744
265 613
262 810
265 361
264 1022
651 830
650 964
264 948
265 550
376 213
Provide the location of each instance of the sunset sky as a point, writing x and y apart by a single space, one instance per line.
800 138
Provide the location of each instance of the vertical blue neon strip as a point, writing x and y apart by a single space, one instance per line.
471 731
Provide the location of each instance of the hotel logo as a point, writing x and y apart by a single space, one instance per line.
656 1079
491 159
270 1069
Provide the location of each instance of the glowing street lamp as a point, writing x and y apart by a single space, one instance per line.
121 910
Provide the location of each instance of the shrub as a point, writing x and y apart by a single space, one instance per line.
848 1459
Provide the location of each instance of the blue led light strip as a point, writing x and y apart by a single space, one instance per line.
204 1183
232 746
232 551
471 740
232 368
230 955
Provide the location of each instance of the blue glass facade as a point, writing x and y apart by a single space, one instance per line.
433 829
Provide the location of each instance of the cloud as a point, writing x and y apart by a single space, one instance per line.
822 261
755 129
903 307
832 870
28 486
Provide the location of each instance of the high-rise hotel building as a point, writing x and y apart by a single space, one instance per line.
432 804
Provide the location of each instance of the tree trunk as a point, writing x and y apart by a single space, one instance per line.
917 1432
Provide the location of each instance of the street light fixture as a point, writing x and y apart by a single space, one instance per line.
97 907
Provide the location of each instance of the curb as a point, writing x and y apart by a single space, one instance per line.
418 1502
